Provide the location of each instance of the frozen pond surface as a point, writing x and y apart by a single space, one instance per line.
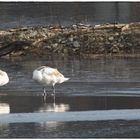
109 88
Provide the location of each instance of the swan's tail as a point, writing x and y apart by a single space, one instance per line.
63 80
66 79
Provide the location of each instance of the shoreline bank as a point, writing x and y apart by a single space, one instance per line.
121 40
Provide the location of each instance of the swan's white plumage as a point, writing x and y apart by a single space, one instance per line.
47 76
4 79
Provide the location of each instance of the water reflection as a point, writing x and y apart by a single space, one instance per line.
17 104
50 125
4 130
54 107
26 104
4 109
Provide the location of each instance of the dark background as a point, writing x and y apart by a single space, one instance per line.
15 14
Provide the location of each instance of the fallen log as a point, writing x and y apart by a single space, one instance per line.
13 47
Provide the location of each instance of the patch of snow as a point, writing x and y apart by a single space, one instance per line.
122 114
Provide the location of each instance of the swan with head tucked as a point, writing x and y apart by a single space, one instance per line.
47 76
4 79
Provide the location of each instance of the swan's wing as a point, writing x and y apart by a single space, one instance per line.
2 72
51 72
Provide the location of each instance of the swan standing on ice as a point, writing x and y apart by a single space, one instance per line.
4 79
48 76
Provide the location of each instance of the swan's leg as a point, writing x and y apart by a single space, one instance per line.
54 94
44 95
54 100
53 90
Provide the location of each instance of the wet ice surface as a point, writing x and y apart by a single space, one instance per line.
95 85
90 129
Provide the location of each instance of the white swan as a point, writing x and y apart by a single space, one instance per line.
48 76
4 79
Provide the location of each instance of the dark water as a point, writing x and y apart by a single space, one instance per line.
98 84
101 129
26 104
17 14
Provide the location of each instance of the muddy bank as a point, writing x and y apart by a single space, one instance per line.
81 40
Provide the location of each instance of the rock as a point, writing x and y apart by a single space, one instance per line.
116 33
55 45
101 38
71 38
63 41
74 27
59 40
97 25
65 51
50 34
76 44
121 45
125 28
114 49
129 44
48 47
111 38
